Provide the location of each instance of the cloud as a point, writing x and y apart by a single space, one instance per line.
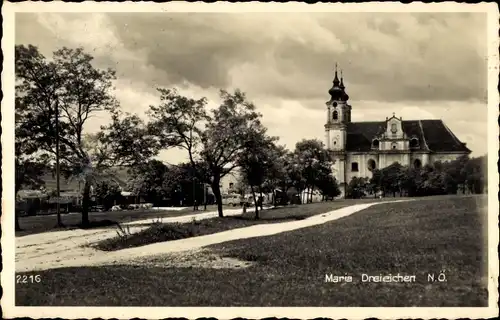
419 65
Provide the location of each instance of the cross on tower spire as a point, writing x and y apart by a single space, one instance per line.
336 79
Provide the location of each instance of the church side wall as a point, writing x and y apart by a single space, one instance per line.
420 156
386 159
444 157
338 170
362 160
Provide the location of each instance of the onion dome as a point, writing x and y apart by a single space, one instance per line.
337 90
346 96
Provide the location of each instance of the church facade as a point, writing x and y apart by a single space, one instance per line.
360 147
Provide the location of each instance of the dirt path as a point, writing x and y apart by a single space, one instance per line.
58 248
67 248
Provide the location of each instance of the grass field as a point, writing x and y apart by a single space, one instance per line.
173 231
412 238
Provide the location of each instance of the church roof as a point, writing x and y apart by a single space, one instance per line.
433 135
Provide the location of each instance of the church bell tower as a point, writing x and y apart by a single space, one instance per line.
338 115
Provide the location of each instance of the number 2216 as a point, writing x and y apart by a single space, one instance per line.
28 279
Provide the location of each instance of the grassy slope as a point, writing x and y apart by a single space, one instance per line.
412 238
170 231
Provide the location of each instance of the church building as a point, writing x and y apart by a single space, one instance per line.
360 147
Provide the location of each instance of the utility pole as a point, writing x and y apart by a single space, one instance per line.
195 205
58 186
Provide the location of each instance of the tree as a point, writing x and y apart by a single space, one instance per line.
194 181
356 188
57 99
294 177
376 181
328 186
276 172
259 163
476 174
313 161
107 193
148 180
29 167
214 141
390 178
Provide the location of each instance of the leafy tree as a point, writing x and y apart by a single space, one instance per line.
328 186
29 166
433 180
276 173
313 161
56 99
294 175
357 187
436 179
107 193
214 141
391 177
476 174
148 181
182 184
376 181
258 162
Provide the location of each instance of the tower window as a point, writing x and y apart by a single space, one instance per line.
354 167
376 144
335 115
394 146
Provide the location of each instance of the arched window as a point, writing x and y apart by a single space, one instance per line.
335 115
372 165
417 164
414 143
375 144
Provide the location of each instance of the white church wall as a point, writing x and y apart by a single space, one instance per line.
401 158
419 156
444 157
363 168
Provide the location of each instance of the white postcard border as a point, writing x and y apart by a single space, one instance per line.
8 238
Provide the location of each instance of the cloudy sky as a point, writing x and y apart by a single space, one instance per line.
420 66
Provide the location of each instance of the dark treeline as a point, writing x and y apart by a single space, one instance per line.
464 175
155 182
